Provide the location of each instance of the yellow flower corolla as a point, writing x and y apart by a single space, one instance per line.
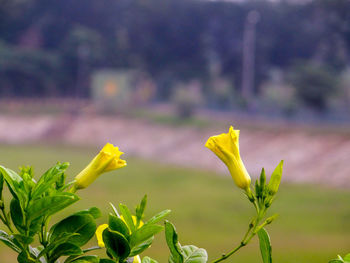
99 232
106 160
226 147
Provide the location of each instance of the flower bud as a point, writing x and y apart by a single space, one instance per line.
275 179
106 160
226 147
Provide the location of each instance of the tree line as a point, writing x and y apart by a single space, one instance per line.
50 47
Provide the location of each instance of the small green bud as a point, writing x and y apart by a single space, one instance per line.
262 178
257 189
275 179
270 219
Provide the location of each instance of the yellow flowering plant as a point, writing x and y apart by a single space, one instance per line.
226 147
108 159
125 235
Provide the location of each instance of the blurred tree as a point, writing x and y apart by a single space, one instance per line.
172 40
313 83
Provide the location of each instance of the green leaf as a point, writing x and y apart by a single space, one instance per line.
138 249
49 205
85 259
336 261
144 233
35 226
176 253
25 258
116 224
8 241
347 258
23 239
116 244
17 215
148 260
140 209
61 239
106 260
93 211
15 183
1 184
84 225
127 217
265 246
65 249
193 254
158 217
50 177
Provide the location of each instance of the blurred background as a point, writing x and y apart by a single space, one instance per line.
157 78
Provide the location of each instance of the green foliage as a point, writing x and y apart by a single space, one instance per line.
346 259
32 205
127 236
182 254
265 246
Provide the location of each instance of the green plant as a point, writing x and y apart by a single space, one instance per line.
34 203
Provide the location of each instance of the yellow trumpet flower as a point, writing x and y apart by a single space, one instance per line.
106 160
226 147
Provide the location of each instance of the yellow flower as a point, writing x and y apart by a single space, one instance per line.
99 232
106 160
226 147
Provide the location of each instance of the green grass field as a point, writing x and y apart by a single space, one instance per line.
207 209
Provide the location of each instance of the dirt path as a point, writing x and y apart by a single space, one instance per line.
322 158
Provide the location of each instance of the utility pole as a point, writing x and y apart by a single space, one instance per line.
248 63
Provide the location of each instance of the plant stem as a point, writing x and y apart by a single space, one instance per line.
246 239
